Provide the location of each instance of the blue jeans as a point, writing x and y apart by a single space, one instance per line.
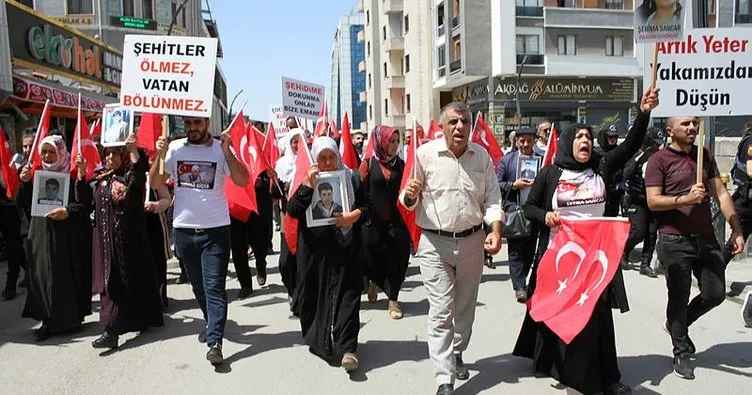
206 254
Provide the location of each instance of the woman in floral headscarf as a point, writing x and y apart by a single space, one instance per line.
386 240
58 248
330 263
124 272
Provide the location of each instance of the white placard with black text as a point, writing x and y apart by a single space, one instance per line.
302 99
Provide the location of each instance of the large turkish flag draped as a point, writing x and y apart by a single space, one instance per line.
303 162
483 135
575 270
409 216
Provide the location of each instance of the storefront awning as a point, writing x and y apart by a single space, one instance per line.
30 95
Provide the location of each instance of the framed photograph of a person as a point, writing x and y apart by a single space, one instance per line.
527 168
659 20
329 198
50 192
117 124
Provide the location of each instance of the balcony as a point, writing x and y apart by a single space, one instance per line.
455 22
587 18
529 12
361 36
455 65
743 18
362 66
394 82
361 7
394 44
532 59
363 97
391 6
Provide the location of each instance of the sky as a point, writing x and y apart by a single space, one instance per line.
263 41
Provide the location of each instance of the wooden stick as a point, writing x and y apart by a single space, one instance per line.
700 149
164 135
655 67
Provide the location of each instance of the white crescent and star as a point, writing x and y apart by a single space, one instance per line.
572 247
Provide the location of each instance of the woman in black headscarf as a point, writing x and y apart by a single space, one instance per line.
123 271
575 185
385 238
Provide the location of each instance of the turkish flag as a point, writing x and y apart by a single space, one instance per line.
237 131
83 143
574 271
435 131
409 216
303 162
346 147
551 147
333 131
322 123
43 130
271 148
10 176
255 159
483 135
368 153
419 133
149 131
96 128
240 200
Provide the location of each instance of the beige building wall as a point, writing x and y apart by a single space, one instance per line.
421 100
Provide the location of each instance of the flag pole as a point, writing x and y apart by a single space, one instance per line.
36 136
78 129
165 126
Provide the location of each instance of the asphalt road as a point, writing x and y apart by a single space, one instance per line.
264 355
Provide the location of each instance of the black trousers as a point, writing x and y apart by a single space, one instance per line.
10 226
643 228
683 256
243 234
386 250
521 254
744 212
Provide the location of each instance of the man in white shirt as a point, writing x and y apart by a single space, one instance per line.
454 192
199 165
544 131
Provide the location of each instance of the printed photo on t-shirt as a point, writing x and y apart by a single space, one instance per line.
578 192
196 174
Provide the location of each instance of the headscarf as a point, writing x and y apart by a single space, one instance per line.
565 151
117 181
285 166
62 165
382 134
321 144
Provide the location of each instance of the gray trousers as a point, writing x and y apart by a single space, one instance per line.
451 270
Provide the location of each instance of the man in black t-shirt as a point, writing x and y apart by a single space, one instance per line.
687 240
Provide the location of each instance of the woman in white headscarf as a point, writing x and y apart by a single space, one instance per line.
58 248
330 263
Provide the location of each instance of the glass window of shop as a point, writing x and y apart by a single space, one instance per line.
533 118
76 7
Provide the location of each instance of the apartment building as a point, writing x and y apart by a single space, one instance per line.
347 80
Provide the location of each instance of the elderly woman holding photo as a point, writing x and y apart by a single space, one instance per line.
58 248
588 363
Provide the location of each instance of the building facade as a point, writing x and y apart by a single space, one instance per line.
348 81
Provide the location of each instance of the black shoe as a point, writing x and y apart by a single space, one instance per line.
202 336
445 389
106 341
648 271
683 368
214 355
521 295
43 333
182 279
261 280
692 348
490 262
461 372
244 293
747 310
625 264
617 388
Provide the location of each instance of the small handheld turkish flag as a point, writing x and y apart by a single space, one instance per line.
575 270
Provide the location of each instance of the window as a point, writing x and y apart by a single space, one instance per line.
368 17
407 63
128 9
743 7
370 112
440 19
183 18
78 7
28 3
383 33
614 46
386 73
565 3
567 45
528 44
441 54
368 47
407 24
148 9
614 4
407 100
386 106
457 48
370 85
530 3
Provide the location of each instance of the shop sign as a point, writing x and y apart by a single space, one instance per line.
76 19
133 23
569 89
40 42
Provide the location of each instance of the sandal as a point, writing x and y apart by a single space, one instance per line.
394 310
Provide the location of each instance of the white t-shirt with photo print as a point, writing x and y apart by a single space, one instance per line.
199 172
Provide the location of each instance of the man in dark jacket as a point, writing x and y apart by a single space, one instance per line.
515 189
644 227
607 140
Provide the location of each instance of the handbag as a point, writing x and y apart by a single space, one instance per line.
516 224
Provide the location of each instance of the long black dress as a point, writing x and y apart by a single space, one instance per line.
125 276
330 288
58 255
385 238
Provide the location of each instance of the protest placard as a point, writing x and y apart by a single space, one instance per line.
301 99
277 118
659 20
168 74
708 73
